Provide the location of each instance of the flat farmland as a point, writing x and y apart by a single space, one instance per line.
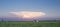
29 24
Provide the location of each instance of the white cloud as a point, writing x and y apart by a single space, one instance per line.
27 14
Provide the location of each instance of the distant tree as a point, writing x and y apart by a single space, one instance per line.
2 20
35 21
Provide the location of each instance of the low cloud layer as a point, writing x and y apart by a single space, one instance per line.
27 14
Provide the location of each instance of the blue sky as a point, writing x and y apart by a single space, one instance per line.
50 7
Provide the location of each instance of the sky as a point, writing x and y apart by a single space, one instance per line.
50 7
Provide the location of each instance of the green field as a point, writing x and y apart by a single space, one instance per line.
29 24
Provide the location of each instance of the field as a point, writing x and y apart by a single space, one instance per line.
29 24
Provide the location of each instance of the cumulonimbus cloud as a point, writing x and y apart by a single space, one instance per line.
28 14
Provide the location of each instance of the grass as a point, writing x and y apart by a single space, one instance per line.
29 24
